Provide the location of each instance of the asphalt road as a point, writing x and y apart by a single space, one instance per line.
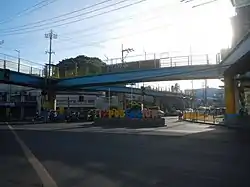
78 155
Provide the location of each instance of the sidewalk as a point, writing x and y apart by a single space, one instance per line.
20 122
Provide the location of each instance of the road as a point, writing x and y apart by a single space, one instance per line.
78 155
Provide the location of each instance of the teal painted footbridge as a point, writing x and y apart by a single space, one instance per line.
170 68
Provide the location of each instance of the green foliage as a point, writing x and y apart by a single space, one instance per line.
79 66
134 105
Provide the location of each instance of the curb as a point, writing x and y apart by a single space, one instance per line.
222 125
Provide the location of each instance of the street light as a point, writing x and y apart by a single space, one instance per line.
18 56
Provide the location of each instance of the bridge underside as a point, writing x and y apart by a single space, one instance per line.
161 74
21 79
32 81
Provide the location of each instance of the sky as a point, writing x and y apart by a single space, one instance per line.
161 27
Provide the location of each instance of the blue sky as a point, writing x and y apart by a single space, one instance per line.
153 26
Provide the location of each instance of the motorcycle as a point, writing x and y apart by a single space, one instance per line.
72 117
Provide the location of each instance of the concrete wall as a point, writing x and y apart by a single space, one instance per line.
240 23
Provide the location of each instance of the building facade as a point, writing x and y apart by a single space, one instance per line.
17 102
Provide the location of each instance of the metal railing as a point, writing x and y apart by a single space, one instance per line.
203 117
147 61
164 60
21 65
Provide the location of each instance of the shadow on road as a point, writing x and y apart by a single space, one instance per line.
218 157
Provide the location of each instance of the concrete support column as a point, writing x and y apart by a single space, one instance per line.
230 97
39 102
8 108
154 100
157 102
22 107
49 101
124 102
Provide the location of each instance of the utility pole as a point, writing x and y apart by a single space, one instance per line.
128 50
205 92
192 94
19 60
51 36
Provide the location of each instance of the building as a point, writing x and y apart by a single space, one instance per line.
77 101
17 102
213 96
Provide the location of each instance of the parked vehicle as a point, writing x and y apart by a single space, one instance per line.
91 115
160 113
73 117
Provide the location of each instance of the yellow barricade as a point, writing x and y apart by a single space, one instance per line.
195 116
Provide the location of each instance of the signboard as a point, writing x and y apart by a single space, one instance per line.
128 113
240 3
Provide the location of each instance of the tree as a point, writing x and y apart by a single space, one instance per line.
79 66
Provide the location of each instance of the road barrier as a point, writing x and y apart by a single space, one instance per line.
203 117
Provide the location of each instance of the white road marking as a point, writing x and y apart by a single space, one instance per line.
43 174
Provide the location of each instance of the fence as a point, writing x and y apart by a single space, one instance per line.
147 61
21 65
165 60
203 117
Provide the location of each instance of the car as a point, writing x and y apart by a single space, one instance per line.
160 113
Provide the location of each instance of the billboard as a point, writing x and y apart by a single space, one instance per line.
240 3
130 66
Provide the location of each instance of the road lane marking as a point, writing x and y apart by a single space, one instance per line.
43 174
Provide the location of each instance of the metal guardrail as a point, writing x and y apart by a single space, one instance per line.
165 60
202 117
21 65
13 66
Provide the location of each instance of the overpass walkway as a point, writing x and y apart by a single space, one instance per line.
170 68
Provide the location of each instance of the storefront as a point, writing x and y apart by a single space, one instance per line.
12 111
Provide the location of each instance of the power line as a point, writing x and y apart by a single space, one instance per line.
32 62
28 10
205 3
79 20
64 19
53 18
81 32
110 29
118 37
198 5
131 17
